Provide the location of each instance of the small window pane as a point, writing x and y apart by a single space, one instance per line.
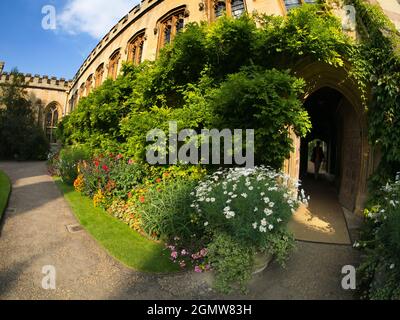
167 35
179 25
290 4
220 8
237 8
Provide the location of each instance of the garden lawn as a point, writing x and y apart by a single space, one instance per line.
5 189
121 242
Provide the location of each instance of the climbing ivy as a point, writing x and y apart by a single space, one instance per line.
380 50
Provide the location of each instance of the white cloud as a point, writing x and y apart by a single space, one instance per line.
95 17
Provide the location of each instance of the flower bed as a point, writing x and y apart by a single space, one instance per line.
219 222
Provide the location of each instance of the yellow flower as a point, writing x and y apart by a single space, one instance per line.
98 198
79 183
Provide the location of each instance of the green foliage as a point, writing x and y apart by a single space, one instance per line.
232 262
247 204
166 211
380 269
68 161
266 101
5 189
21 137
186 84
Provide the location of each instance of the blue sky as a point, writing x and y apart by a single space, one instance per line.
80 24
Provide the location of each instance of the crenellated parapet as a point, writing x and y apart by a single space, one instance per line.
40 82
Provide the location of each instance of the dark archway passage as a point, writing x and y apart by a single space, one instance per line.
334 124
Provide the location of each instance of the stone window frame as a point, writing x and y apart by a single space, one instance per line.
113 64
211 8
98 77
134 48
170 19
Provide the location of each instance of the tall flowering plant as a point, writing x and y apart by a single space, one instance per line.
245 212
248 204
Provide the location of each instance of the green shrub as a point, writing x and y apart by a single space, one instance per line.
380 268
166 211
20 135
246 211
68 162
232 262
266 101
247 204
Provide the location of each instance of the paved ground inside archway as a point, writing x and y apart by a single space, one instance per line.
33 235
324 220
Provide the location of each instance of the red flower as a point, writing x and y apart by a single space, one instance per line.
105 168
96 163
158 180
142 199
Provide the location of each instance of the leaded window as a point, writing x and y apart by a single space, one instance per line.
135 49
290 4
237 8
51 121
220 8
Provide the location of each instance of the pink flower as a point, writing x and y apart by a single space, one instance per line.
203 252
198 269
195 256
131 161
174 254
207 267
184 252
120 156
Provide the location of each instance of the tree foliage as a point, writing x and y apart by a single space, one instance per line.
20 136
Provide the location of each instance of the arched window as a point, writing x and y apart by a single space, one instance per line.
135 49
113 65
82 91
219 8
170 26
237 8
89 84
99 75
51 122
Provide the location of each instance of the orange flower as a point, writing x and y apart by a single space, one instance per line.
142 199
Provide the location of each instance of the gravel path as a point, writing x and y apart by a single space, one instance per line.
34 234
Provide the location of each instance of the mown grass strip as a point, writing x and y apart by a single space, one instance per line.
120 241
5 189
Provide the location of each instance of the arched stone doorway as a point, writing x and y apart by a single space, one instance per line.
335 124
344 125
